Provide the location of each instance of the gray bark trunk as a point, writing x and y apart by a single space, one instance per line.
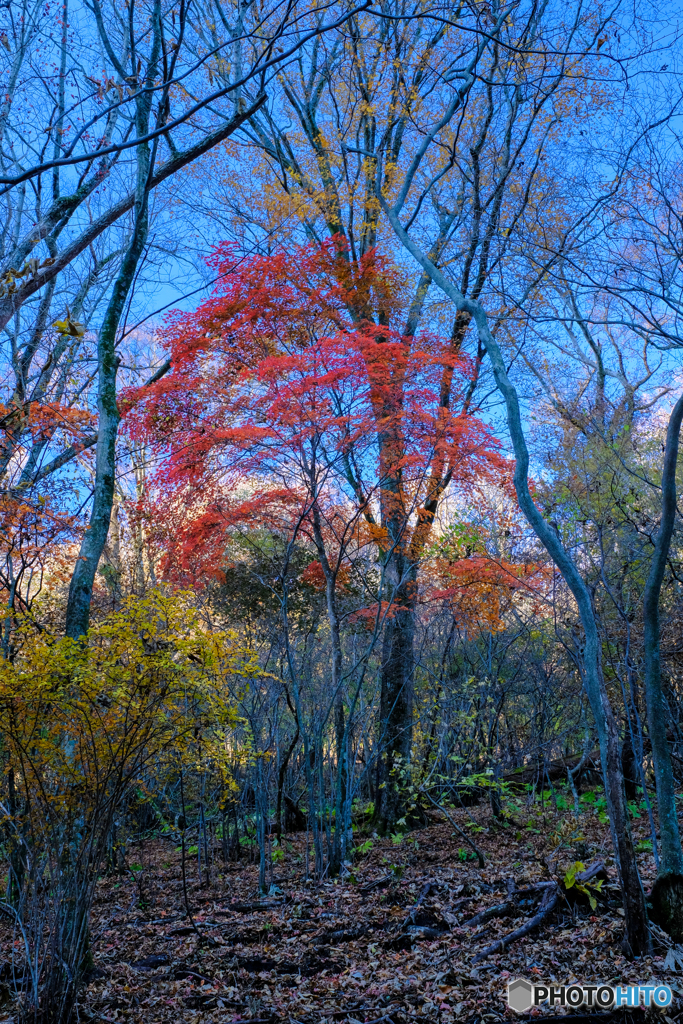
339 843
396 708
667 893
92 546
657 712
635 907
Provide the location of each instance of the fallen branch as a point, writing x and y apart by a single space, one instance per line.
180 973
194 928
596 870
246 908
502 909
424 931
463 900
546 907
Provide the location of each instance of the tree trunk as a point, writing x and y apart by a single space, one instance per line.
281 781
667 894
92 546
340 839
339 843
396 708
629 767
138 530
636 920
635 907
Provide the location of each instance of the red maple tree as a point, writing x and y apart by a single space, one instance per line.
295 401
280 396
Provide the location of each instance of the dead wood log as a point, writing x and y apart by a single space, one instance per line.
553 771
500 910
423 931
550 900
595 871
150 963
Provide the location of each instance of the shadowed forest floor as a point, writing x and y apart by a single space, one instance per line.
350 951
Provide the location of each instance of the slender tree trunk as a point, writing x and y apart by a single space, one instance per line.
635 907
141 552
95 538
339 842
281 780
262 824
16 857
92 546
396 705
309 750
636 920
667 893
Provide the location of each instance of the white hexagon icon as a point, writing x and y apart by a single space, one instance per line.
520 995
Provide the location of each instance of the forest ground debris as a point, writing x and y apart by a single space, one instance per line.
323 952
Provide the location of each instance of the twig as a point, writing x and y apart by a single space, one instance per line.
461 902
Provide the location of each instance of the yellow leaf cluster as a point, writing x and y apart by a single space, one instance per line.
81 719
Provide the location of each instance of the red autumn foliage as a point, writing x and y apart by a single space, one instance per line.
292 387
314 576
34 520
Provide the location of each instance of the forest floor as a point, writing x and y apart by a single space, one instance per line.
349 951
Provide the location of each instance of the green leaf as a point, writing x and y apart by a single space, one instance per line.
571 873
